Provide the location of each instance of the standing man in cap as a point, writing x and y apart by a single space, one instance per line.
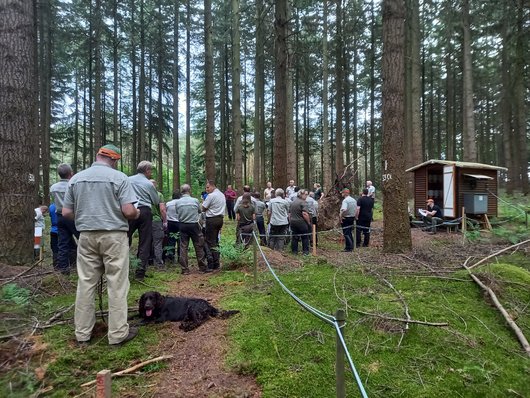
65 227
147 198
101 200
348 210
365 213
214 208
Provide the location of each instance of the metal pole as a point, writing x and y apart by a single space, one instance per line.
340 381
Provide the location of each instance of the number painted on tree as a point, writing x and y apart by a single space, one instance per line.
387 177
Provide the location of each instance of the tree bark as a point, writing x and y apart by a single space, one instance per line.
176 149
468 133
281 77
326 143
209 139
188 92
396 234
18 130
236 97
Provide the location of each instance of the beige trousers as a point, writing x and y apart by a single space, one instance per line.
98 253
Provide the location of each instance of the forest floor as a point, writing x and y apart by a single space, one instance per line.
46 361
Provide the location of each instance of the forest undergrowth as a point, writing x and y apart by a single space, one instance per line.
289 351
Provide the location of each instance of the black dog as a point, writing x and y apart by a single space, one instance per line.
192 312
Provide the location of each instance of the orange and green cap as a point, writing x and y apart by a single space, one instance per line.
110 151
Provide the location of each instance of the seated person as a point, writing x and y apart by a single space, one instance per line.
432 215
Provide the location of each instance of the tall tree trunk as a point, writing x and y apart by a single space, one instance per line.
468 133
504 106
371 174
45 30
327 178
281 77
188 92
449 82
236 97
142 154
176 150
161 121
223 119
339 82
413 136
75 162
209 141
18 146
115 45
520 125
134 105
291 149
259 99
98 132
396 234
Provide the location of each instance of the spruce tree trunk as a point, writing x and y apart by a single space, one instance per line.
98 131
188 92
326 143
339 81
396 234
18 131
209 139
236 98
176 150
259 89
468 133
280 174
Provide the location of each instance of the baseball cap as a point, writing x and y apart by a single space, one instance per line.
430 200
110 151
345 190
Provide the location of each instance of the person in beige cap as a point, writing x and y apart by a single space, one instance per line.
433 216
100 199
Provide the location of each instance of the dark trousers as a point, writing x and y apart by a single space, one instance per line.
277 236
144 225
260 222
230 209
363 227
212 228
172 240
299 230
244 233
347 224
191 231
66 244
54 245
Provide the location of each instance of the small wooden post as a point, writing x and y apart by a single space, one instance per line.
314 240
103 384
340 381
255 255
354 234
464 225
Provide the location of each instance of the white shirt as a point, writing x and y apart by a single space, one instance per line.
215 204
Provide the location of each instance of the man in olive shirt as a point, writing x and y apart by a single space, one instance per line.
101 200
188 211
300 222
147 198
214 208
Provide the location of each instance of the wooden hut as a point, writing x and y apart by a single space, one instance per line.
454 185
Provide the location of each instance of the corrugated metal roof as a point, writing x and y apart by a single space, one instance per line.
470 165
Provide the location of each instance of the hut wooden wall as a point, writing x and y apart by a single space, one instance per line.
420 189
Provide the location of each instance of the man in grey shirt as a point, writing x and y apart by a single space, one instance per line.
348 210
66 227
214 209
188 211
101 200
147 198
279 220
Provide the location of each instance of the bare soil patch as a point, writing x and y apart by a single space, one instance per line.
198 368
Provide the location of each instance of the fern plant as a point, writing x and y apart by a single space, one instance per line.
16 294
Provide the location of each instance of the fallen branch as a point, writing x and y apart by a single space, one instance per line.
133 368
390 318
22 273
497 253
518 332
